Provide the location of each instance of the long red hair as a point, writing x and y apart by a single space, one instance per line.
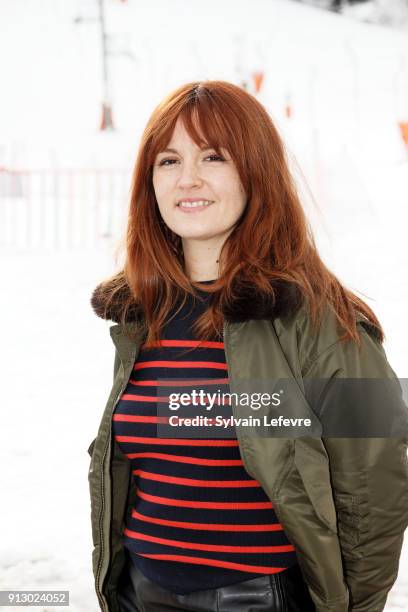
272 240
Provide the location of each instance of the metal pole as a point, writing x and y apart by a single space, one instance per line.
106 121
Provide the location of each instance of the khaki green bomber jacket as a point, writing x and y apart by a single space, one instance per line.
343 502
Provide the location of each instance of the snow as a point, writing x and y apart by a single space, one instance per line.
347 84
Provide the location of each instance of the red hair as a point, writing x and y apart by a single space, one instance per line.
271 242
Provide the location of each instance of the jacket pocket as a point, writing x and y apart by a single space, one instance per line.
313 467
348 524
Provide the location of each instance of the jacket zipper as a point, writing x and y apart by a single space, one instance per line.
102 550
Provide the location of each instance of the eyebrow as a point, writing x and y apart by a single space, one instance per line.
175 150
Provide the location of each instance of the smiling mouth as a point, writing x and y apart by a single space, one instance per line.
199 204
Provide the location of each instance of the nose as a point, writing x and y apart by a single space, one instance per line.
189 175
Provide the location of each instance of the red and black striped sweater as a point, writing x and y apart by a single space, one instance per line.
200 521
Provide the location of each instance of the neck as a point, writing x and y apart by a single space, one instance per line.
201 258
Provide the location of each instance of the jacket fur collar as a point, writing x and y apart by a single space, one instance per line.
248 304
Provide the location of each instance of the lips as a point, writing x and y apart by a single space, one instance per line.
197 206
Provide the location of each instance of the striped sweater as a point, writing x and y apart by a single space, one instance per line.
200 521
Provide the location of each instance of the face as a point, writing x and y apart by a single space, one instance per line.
199 194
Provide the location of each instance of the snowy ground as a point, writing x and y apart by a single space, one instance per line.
347 85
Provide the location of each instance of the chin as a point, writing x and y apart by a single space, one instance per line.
198 233
198 236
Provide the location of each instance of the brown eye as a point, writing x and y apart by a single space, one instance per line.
163 162
216 157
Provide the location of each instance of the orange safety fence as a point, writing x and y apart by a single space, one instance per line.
403 126
62 208
258 77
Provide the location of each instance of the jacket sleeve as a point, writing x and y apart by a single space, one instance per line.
369 473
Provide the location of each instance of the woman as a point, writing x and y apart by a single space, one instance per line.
222 286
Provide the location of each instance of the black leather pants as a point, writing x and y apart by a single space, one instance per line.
283 592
